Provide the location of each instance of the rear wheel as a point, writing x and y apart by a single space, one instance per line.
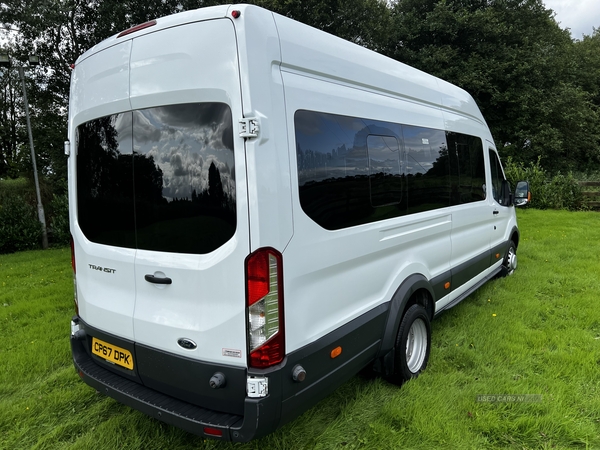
413 343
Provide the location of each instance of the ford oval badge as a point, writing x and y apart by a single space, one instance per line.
186 343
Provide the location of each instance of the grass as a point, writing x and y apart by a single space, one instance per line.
535 333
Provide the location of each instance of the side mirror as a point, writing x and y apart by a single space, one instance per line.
522 194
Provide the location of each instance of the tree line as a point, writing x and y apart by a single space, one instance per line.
538 88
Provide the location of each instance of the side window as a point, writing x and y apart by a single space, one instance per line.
353 171
467 168
427 168
385 170
333 169
497 176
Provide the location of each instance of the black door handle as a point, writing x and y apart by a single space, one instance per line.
496 213
157 280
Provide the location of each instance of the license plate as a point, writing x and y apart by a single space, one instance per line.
112 353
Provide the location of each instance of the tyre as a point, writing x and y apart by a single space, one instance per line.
509 264
413 343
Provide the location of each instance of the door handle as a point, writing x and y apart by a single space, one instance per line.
496 212
157 280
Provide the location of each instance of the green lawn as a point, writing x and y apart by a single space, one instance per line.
536 333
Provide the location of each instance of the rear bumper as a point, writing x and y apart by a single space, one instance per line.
168 409
286 399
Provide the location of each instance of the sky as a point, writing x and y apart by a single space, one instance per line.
581 16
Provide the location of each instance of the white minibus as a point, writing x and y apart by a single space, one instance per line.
259 210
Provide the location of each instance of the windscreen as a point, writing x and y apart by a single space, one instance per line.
158 179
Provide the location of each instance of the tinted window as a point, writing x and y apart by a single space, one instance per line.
467 168
497 176
167 179
427 170
105 180
385 170
353 171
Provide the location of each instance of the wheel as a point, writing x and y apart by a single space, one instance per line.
510 260
413 343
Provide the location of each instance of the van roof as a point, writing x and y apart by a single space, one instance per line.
315 53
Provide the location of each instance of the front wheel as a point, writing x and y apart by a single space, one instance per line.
510 260
413 343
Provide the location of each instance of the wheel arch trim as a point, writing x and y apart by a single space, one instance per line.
399 303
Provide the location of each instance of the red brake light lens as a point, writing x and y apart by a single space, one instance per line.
264 301
137 28
257 273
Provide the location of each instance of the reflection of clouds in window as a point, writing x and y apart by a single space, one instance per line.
423 147
384 155
184 140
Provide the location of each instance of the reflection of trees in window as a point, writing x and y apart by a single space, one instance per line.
104 184
342 186
121 192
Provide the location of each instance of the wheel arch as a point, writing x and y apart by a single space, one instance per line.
514 236
414 289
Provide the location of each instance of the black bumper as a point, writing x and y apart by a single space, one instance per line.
173 411
287 399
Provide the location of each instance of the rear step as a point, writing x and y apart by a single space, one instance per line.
192 418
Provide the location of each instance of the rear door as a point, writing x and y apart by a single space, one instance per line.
190 197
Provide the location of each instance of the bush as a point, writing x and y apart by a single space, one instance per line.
20 228
59 221
557 192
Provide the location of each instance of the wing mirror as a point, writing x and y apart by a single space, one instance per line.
522 194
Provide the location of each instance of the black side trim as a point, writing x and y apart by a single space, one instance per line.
438 285
468 270
468 292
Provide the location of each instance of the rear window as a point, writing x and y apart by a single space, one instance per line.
158 179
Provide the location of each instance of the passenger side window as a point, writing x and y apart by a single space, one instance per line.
497 176
467 168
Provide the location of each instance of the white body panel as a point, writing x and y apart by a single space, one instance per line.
268 67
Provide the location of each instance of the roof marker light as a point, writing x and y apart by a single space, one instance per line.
137 28
235 13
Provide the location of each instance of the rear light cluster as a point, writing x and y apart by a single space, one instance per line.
264 301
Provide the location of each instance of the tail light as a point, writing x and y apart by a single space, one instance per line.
74 276
264 301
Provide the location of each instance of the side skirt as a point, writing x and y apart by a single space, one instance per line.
468 292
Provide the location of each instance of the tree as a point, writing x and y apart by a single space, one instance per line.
12 133
364 22
587 64
514 59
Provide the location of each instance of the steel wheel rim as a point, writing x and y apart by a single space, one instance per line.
511 260
416 345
